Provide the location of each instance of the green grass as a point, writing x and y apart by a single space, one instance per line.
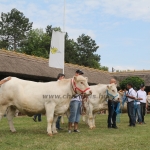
32 136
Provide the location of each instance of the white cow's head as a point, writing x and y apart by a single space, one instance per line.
112 92
80 85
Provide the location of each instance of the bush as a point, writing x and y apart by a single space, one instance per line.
136 81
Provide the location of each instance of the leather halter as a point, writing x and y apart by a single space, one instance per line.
75 88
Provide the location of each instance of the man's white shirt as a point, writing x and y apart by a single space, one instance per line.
143 95
132 93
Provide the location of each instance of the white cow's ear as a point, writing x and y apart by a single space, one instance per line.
75 78
108 86
86 78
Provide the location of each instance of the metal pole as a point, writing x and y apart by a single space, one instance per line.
64 16
64 31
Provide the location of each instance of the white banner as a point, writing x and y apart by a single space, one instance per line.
56 58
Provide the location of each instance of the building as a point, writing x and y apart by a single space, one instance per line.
36 69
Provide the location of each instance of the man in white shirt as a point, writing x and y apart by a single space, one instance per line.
131 95
112 108
138 107
142 94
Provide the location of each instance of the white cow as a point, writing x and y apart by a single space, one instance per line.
98 101
31 98
148 99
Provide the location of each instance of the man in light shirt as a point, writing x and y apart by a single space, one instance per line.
75 109
112 108
131 95
142 94
138 108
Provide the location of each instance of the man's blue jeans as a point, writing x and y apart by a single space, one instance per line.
58 122
39 117
75 111
138 111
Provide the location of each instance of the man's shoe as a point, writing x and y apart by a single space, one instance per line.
144 123
115 127
34 119
60 129
133 125
69 131
76 131
109 127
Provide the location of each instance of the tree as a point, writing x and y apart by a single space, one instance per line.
86 47
14 27
70 50
37 43
104 68
136 81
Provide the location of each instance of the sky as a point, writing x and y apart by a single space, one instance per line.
121 28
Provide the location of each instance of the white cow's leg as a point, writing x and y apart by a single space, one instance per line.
83 118
2 111
87 119
54 125
90 117
11 112
62 119
50 115
94 116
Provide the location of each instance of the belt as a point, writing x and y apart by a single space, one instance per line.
130 101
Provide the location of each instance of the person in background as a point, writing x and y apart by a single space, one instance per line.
112 114
39 117
59 77
137 108
142 94
131 95
75 109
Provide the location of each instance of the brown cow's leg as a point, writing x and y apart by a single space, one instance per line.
11 112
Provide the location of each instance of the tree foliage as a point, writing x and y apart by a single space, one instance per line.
37 43
136 81
13 29
86 47
16 33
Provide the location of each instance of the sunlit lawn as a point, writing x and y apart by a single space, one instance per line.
32 136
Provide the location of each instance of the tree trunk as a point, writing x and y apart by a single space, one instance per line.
15 44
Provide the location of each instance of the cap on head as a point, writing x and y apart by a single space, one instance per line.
79 72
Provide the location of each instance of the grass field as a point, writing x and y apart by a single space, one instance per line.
32 136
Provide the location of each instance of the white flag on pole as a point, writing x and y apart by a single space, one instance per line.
56 58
